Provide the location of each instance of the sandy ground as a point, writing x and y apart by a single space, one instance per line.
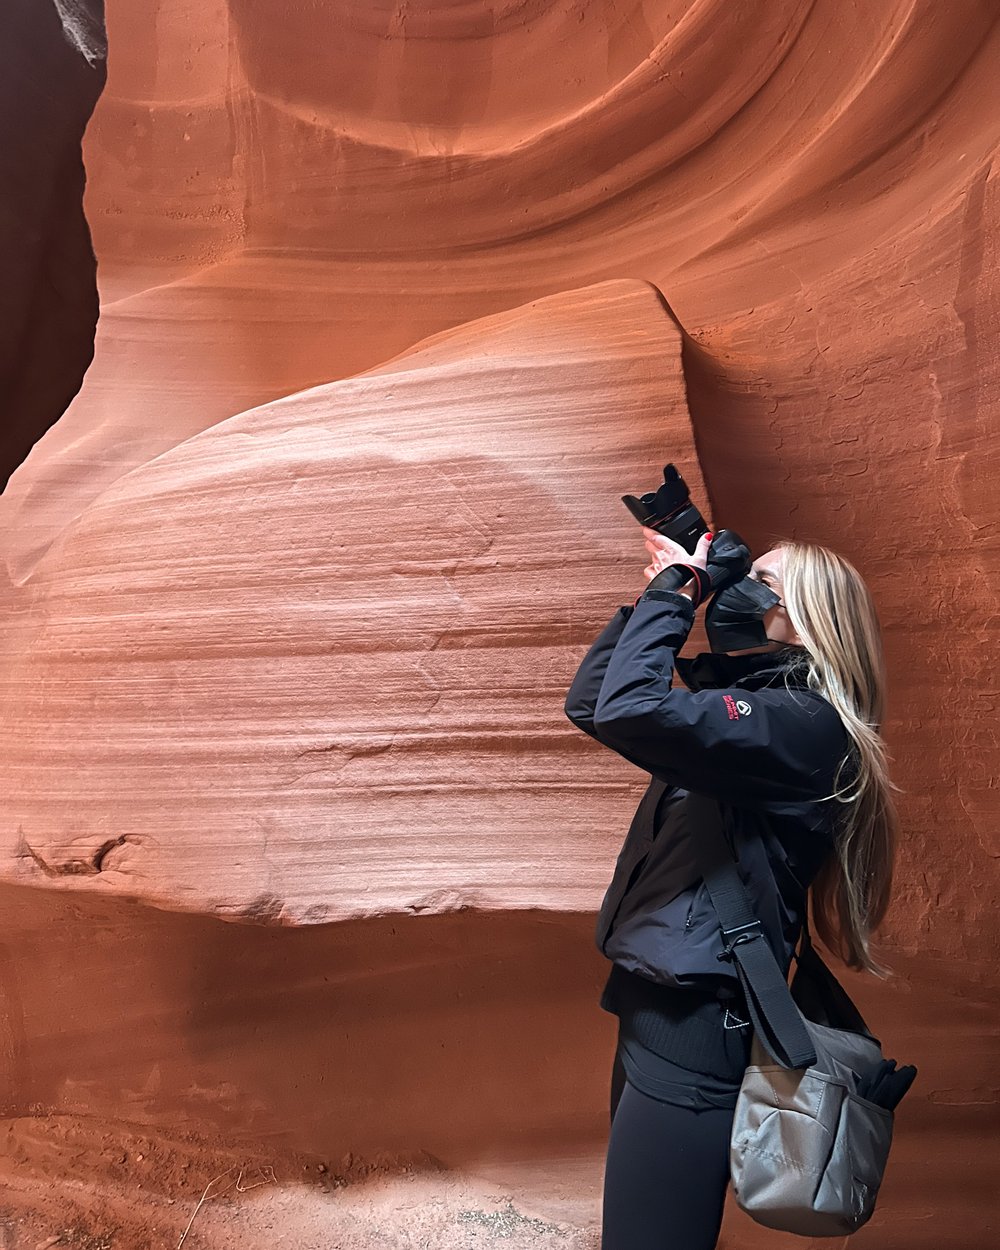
83 1186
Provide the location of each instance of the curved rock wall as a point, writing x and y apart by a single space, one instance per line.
813 189
285 196
324 645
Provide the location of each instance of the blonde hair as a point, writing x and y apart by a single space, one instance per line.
832 611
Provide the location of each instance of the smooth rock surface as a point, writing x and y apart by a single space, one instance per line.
150 1051
283 196
324 646
814 189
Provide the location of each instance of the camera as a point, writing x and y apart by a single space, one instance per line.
669 510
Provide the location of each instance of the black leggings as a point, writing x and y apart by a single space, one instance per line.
666 1174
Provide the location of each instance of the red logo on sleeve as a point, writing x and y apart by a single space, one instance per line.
736 707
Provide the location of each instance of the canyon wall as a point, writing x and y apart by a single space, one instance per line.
395 303
323 645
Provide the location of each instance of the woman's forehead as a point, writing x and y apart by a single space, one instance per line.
770 562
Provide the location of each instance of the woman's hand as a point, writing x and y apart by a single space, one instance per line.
664 552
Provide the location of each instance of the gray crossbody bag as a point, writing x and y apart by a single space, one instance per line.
807 1153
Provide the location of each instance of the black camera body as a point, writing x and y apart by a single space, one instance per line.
734 620
669 510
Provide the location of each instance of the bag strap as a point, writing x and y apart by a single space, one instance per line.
777 1020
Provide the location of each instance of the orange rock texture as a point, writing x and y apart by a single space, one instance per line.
396 300
324 644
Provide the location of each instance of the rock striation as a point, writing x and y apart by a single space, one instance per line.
291 591
310 664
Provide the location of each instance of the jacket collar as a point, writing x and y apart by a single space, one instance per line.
710 670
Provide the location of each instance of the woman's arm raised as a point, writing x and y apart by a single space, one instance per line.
745 746
581 699
582 696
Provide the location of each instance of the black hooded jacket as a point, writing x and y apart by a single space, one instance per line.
768 753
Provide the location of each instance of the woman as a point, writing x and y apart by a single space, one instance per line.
785 734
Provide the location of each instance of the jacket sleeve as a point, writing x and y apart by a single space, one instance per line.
582 697
748 747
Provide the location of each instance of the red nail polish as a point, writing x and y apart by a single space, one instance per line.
709 537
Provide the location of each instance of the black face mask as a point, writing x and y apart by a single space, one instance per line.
734 619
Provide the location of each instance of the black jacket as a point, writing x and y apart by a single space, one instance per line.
768 753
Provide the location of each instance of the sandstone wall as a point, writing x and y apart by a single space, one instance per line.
324 202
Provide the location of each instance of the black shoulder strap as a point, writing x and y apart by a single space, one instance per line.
774 1013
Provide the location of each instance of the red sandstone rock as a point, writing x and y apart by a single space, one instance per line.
283 196
310 665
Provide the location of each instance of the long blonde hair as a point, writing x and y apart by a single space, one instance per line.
833 613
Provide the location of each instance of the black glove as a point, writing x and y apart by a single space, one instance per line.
886 1084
